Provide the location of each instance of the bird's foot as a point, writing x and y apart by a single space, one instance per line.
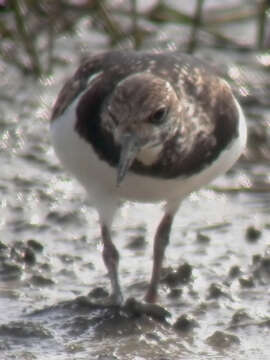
138 308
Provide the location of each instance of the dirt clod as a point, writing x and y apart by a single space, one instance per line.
253 234
234 271
185 322
98 292
202 238
216 290
222 340
35 245
136 242
246 281
240 316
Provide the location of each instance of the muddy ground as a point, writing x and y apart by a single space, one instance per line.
215 286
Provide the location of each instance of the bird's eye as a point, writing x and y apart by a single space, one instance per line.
159 116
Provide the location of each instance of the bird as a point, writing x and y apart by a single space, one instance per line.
145 126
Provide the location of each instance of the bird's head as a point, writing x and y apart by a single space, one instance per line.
142 114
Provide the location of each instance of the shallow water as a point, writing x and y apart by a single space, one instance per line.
50 250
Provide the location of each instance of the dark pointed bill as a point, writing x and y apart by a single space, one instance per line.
129 149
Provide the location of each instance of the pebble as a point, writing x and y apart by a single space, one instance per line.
35 245
234 271
185 322
239 316
215 291
253 234
173 277
202 238
262 268
153 310
136 242
256 259
40 280
265 263
98 292
246 281
185 272
29 256
222 340
175 293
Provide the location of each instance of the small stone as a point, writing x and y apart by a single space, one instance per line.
29 256
98 292
39 280
185 322
35 245
175 293
240 316
66 258
262 268
215 291
45 267
153 310
136 242
265 264
246 281
184 272
171 278
222 340
253 234
84 302
256 259
202 238
234 271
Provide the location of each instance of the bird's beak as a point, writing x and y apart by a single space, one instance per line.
130 145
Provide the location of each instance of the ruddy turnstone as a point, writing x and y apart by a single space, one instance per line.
145 127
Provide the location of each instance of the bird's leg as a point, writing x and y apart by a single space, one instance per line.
111 259
160 243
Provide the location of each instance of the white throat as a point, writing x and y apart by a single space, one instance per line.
149 156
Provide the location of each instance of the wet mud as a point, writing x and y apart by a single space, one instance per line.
214 291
